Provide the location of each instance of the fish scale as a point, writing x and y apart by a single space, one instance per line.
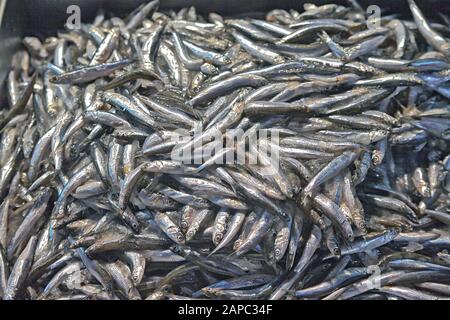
132 163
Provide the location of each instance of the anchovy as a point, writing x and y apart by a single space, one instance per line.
88 74
300 154
432 37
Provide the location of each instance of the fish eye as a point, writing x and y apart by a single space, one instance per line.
351 123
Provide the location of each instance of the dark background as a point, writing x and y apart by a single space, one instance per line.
44 17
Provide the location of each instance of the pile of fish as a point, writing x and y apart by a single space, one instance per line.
351 202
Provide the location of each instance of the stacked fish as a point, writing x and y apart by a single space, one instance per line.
351 202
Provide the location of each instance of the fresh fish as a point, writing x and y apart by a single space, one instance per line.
300 154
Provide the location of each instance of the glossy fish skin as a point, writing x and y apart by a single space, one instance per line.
20 270
209 56
188 62
169 227
105 118
196 223
251 294
333 168
126 215
435 287
335 214
128 184
282 241
60 276
99 157
97 271
262 200
106 47
233 228
247 225
238 283
264 187
36 213
220 226
392 204
436 40
255 234
144 242
140 15
184 155
409 294
326 287
4 219
123 103
303 142
88 74
4 272
301 32
186 198
227 86
122 277
137 263
371 243
296 233
260 52
250 29
20 103
219 267
351 201
310 247
79 178
174 65
171 114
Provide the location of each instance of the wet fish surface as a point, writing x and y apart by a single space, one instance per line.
304 154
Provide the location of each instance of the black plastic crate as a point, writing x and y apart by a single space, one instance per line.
45 17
